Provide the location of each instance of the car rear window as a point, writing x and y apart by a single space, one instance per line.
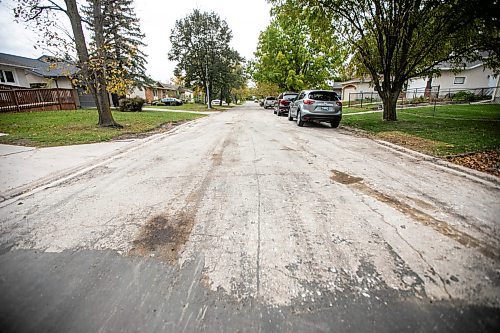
290 96
323 96
272 98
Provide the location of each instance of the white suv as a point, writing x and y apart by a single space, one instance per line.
269 102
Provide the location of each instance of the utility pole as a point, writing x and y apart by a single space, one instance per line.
206 83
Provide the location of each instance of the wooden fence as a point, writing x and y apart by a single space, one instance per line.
18 100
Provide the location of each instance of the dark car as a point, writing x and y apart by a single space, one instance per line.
171 101
284 100
316 105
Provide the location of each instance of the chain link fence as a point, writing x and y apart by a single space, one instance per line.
418 96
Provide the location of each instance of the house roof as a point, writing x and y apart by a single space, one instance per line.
446 66
356 80
41 66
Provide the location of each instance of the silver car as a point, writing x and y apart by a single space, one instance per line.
316 105
269 102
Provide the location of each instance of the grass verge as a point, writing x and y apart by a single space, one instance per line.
447 130
61 128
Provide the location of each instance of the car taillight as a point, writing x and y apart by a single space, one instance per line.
308 101
339 103
284 102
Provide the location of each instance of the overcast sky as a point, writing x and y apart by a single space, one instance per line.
246 18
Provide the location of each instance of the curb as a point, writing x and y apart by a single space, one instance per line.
472 174
61 176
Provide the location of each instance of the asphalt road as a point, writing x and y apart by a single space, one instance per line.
243 221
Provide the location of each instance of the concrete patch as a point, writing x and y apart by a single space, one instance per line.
418 215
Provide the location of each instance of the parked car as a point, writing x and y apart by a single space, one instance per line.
316 105
283 104
171 101
269 102
217 102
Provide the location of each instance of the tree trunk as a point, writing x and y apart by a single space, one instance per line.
390 100
102 96
95 80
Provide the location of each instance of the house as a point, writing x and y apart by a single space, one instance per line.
159 90
473 76
186 95
155 91
44 72
355 88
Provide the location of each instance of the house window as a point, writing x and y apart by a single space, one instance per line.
7 76
459 80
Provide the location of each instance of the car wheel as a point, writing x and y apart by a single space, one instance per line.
274 111
335 123
290 115
300 122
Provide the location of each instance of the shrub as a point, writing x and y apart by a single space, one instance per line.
131 104
466 96
419 99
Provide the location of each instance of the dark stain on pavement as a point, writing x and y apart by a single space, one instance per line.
164 236
417 215
344 178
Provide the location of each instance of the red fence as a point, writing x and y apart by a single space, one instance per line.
18 100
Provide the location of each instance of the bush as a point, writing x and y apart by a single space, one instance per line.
419 99
131 104
466 96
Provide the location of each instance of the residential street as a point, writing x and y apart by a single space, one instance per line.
243 221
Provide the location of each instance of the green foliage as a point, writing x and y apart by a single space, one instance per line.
123 40
419 99
466 96
200 45
288 56
393 40
131 104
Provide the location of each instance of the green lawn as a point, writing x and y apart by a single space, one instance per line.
191 107
449 130
59 128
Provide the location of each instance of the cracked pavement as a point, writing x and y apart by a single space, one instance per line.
244 221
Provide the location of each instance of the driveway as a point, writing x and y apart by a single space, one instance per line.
245 221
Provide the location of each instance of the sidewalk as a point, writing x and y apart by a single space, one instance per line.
20 166
180 111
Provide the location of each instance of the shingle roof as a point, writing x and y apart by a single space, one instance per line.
38 66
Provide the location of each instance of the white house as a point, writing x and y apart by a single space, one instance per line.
473 76
44 72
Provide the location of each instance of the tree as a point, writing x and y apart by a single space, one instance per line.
229 74
123 40
485 39
288 57
264 89
394 40
108 61
200 45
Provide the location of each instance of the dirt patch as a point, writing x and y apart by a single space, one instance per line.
164 236
160 129
344 178
417 215
488 161
411 141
